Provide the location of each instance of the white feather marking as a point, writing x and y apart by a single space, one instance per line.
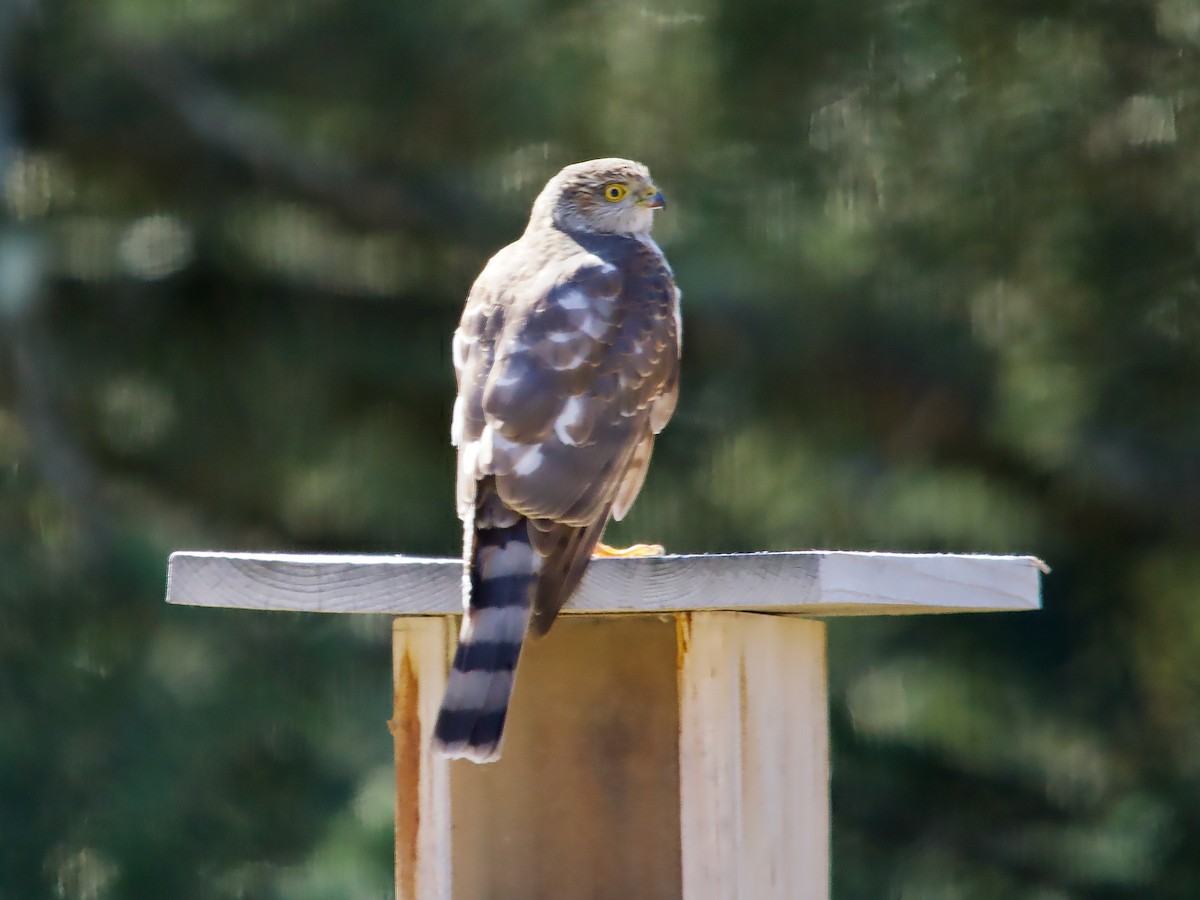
469 690
571 414
460 749
468 474
573 300
467 512
525 458
595 327
495 623
485 454
468 458
529 462
503 444
562 337
514 558
458 421
460 346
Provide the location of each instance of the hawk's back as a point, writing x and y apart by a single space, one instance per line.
567 359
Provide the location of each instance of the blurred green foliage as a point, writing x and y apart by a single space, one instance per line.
942 292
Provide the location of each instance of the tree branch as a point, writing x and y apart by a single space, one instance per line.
236 131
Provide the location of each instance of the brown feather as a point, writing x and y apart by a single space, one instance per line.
634 477
567 362
562 570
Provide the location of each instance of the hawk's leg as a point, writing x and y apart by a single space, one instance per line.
603 550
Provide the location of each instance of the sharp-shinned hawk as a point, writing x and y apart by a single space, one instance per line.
567 360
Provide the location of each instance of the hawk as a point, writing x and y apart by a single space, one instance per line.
567 361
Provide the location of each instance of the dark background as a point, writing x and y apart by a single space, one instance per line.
941 292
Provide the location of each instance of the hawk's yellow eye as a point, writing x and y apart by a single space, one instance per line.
614 192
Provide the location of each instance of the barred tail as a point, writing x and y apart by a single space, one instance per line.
503 575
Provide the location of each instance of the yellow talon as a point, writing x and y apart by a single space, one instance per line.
637 550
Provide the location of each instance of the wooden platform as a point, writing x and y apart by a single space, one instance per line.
811 583
666 740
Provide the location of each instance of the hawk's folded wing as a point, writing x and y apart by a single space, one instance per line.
562 387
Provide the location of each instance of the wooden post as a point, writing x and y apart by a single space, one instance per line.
754 757
419 648
668 739
585 800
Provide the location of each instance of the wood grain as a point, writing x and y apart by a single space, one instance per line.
818 583
753 757
584 803
420 648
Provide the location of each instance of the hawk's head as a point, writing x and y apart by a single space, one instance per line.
612 196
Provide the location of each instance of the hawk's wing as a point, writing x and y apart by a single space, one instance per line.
564 378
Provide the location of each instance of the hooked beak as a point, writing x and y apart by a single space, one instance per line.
655 200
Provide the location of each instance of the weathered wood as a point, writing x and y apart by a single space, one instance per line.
682 753
679 756
820 583
753 757
419 651
584 803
